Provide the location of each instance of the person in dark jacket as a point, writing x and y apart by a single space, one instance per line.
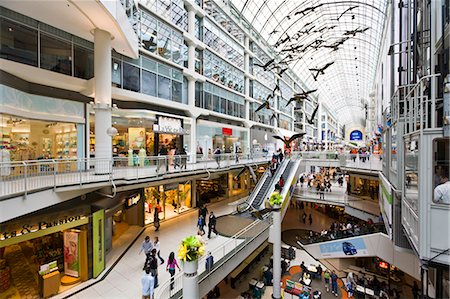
212 224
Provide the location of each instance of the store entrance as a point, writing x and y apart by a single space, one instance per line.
170 200
44 266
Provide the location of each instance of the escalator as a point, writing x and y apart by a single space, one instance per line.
255 200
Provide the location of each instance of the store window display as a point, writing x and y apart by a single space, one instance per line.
170 200
29 139
133 135
37 268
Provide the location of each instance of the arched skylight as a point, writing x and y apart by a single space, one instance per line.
347 83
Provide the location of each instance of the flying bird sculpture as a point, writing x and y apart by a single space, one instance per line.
320 71
311 120
287 141
300 96
357 30
345 11
266 65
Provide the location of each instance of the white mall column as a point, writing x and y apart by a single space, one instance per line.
102 73
191 21
193 143
190 280
276 253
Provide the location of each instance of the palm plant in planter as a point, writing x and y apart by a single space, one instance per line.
276 199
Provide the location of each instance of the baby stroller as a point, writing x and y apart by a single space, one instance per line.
317 294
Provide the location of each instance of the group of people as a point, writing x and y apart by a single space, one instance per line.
330 278
201 222
277 158
150 278
180 158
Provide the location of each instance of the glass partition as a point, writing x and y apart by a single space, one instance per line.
412 173
441 157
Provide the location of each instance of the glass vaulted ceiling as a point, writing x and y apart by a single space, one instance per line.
345 85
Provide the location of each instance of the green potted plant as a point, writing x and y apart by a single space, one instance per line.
191 249
275 200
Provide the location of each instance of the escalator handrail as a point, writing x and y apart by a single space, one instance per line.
254 192
276 176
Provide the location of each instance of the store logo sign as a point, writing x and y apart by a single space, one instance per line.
169 125
227 131
41 225
133 200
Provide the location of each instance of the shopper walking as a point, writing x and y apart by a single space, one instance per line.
203 211
217 153
310 219
156 218
201 223
212 224
153 265
163 160
326 279
156 245
304 218
183 155
334 284
171 264
148 283
147 246
209 262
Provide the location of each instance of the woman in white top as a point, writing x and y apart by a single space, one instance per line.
156 246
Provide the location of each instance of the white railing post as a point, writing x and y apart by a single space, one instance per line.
25 177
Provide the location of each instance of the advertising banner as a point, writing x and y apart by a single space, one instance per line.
71 254
349 248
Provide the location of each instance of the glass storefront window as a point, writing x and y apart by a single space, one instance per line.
171 199
29 139
56 54
19 43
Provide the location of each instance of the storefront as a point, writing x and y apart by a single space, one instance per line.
140 129
228 138
36 127
170 200
364 186
122 213
262 140
44 254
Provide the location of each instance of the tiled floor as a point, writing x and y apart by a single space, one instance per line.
124 280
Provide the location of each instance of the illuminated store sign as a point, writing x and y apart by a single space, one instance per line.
41 225
169 125
133 200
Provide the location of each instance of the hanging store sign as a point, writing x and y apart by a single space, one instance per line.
356 135
169 125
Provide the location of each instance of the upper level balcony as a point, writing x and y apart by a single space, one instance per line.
29 176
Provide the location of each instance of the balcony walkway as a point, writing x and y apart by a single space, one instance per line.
30 176
338 196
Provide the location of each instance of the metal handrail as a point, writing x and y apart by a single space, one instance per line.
17 177
164 290
253 194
